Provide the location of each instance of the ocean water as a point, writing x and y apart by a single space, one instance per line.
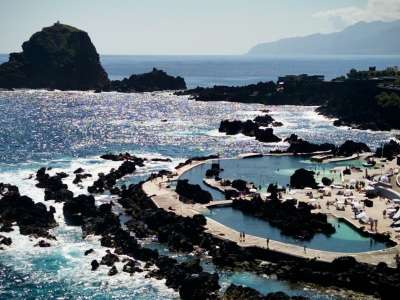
209 70
67 130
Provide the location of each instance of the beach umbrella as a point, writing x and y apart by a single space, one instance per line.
396 215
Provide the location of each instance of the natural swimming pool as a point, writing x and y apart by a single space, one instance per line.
345 239
265 170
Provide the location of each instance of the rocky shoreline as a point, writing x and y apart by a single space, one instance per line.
355 100
186 234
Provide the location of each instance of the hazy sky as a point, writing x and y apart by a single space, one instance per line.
186 26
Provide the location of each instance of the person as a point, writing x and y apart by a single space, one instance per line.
240 237
267 243
397 260
305 249
244 237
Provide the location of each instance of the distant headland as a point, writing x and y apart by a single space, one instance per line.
374 38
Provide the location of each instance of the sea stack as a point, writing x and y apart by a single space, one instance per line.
57 57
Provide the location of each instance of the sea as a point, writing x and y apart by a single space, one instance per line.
65 130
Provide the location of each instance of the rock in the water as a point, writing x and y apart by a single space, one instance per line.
87 252
199 286
303 178
388 150
5 240
95 265
236 292
296 221
264 121
349 148
266 136
298 146
43 244
192 192
131 267
57 57
109 259
32 218
156 80
113 271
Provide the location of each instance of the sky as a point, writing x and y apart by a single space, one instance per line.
153 27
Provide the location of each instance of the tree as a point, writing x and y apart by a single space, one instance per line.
388 100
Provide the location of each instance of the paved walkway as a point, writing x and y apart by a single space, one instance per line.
168 199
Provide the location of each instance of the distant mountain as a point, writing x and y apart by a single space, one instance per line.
361 38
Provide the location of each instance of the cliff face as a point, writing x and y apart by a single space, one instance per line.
58 57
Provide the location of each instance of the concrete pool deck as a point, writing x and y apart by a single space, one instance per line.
164 197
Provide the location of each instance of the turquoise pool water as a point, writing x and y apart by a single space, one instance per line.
345 239
264 170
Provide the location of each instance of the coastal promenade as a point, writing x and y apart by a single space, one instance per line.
166 198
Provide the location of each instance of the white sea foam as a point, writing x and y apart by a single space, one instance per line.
65 256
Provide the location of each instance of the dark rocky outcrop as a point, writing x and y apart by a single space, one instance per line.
192 192
78 208
156 80
32 218
113 271
380 281
55 189
79 177
250 128
300 146
326 181
349 148
57 57
43 244
235 127
214 170
199 286
264 120
122 157
388 150
95 265
131 267
266 136
107 181
298 222
89 251
240 185
196 158
109 259
303 178
7 241
237 292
